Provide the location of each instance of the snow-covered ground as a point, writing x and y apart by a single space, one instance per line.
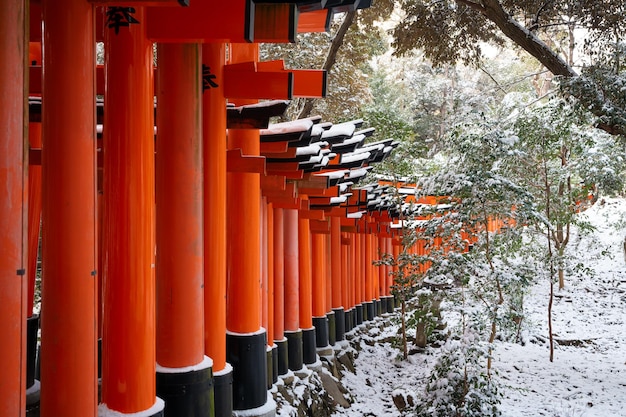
588 375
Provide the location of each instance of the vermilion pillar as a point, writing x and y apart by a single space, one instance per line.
369 278
319 273
335 274
359 277
292 290
68 344
34 228
181 364
345 289
128 337
268 308
246 339
214 150
13 165
305 288
279 293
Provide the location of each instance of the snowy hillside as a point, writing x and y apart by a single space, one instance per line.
588 375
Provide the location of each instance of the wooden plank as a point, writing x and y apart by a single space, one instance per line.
203 21
269 148
320 226
275 22
273 182
314 21
237 162
244 81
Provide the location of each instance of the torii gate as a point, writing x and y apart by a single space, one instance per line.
69 176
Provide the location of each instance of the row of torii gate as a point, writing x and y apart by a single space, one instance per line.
264 239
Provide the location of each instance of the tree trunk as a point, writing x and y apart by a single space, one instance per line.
405 352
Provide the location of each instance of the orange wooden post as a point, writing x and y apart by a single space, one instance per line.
245 339
265 274
367 265
330 314
13 168
335 273
269 305
389 275
382 275
279 293
345 289
214 150
359 277
309 355
68 345
181 364
128 338
34 228
293 333
319 273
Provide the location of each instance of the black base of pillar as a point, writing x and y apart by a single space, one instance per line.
270 367
332 328
321 331
274 364
32 328
379 307
349 315
340 324
294 349
359 314
247 355
282 349
187 394
309 353
390 304
369 311
383 302
223 392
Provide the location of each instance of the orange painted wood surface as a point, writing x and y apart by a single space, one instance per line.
68 344
275 22
319 271
244 81
279 275
335 261
292 295
269 306
13 222
314 21
304 270
129 325
34 214
243 306
179 221
203 21
214 151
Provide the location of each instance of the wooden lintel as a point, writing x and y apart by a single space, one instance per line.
237 162
274 148
289 191
290 175
314 21
320 226
313 215
273 182
348 225
284 202
244 81
319 192
275 22
307 83
203 21
283 166
345 240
